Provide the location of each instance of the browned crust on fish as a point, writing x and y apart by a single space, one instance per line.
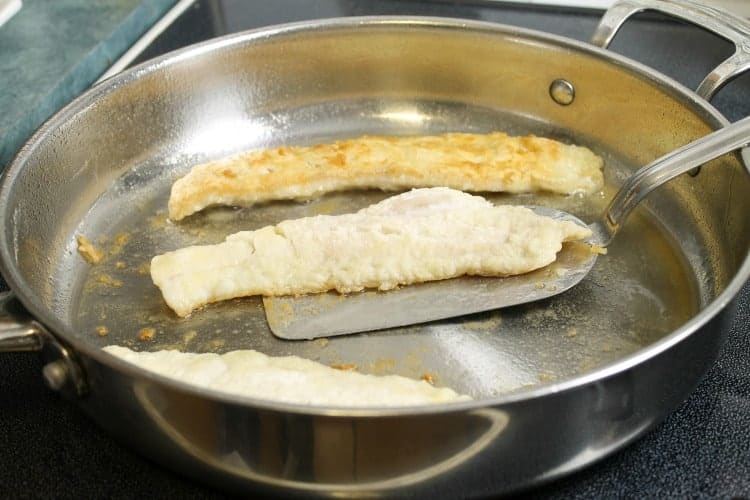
468 162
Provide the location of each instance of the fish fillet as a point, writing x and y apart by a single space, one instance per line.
469 162
421 235
289 379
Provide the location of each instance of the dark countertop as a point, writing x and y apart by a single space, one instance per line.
49 448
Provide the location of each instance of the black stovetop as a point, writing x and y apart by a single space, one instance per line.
49 448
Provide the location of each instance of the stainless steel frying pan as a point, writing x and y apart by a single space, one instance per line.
557 384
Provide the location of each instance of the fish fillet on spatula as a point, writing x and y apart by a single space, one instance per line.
469 162
421 235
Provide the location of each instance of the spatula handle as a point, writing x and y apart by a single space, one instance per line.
666 168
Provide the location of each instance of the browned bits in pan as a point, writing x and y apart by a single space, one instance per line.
347 367
119 241
105 279
598 250
146 334
429 378
102 331
88 251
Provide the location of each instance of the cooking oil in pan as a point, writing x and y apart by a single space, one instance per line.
637 293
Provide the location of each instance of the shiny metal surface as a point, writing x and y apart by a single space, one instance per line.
21 332
562 92
18 331
419 454
549 399
732 27
324 315
663 170
56 374
484 356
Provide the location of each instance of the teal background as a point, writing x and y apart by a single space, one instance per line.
53 50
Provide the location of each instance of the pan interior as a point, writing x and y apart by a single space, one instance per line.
637 293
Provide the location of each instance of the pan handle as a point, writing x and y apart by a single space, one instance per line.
19 331
666 168
731 27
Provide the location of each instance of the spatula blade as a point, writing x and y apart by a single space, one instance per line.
329 314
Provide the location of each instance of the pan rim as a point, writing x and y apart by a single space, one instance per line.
65 334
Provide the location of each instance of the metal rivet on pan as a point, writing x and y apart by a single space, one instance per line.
562 92
55 374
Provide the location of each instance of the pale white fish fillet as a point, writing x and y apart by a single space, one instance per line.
289 379
469 162
421 235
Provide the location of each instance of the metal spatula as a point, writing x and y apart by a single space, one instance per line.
328 314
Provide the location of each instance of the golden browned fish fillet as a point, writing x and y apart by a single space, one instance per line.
469 162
